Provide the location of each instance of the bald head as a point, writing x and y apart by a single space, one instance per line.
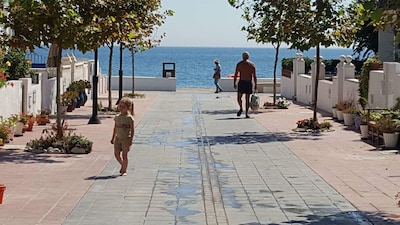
245 55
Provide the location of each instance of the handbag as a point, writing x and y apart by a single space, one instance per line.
254 101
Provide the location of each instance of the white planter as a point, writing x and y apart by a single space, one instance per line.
334 114
348 119
339 114
390 139
18 129
11 133
364 131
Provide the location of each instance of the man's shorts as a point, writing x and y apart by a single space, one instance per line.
245 86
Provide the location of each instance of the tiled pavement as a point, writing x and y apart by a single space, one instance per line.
194 162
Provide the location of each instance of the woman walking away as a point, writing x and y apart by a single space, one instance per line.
217 76
123 132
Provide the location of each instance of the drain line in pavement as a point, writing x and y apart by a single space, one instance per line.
212 197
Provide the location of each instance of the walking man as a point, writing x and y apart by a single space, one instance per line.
246 71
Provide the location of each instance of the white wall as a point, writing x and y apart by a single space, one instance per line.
32 95
10 99
263 84
304 94
287 87
145 83
375 85
324 101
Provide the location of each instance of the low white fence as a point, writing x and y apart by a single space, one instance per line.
144 83
30 95
383 89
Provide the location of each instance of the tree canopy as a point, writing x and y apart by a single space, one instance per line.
85 25
302 24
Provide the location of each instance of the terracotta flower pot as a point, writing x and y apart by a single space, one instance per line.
29 125
42 119
2 189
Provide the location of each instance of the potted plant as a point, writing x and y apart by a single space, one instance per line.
4 130
334 111
361 119
7 128
341 106
20 119
389 127
43 116
348 115
80 86
29 125
69 99
339 110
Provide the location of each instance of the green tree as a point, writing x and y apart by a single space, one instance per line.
19 66
326 23
366 41
382 15
131 23
72 24
271 22
366 38
46 22
310 24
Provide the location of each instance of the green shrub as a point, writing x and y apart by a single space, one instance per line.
370 64
19 67
287 63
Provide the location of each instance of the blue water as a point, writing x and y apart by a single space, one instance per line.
194 65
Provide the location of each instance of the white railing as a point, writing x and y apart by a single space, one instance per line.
27 97
383 84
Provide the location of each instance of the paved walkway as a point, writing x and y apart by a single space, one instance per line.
194 162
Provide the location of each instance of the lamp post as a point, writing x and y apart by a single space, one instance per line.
94 119
120 72
133 70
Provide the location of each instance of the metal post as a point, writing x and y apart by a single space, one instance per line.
133 70
120 73
94 119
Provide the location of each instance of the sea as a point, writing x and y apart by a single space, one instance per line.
194 66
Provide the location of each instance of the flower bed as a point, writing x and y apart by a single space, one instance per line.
310 125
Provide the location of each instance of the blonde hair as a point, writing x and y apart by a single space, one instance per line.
129 103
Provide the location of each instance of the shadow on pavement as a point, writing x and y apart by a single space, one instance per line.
102 177
11 156
230 112
254 137
342 218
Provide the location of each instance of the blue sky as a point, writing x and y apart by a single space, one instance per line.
211 23
205 23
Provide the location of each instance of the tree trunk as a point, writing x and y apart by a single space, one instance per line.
58 90
275 65
316 85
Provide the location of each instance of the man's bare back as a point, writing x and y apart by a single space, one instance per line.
246 70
